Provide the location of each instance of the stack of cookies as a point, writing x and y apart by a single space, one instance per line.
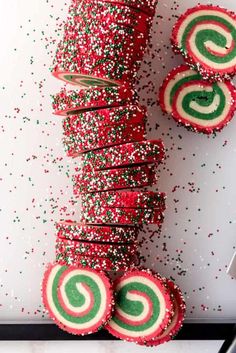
104 41
201 95
113 167
105 126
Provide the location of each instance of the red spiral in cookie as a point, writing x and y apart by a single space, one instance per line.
79 300
206 36
143 307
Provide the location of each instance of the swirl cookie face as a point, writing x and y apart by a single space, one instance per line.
143 307
200 105
79 300
206 36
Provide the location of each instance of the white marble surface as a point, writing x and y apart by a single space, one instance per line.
108 347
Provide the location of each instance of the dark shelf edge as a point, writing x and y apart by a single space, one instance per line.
49 332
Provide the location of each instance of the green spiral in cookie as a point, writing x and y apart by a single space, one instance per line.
142 307
215 97
216 37
135 308
203 105
197 103
206 35
77 299
173 82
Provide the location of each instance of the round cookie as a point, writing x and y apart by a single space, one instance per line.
204 106
127 216
103 127
143 307
99 55
143 152
133 199
69 102
113 179
206 36
199 105
101 67
104 117
95 233
101 40
79 300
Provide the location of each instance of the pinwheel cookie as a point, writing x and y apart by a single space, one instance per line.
206 36
79 300
143 307
198 104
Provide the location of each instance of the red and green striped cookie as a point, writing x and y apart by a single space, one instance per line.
132 199
79 231
79 300
104 127
98 263
99 71
196 103
90 248
115 215
73 102
151 151
143 307
206 36
108 56
113 179
100 63
93 70
178 318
